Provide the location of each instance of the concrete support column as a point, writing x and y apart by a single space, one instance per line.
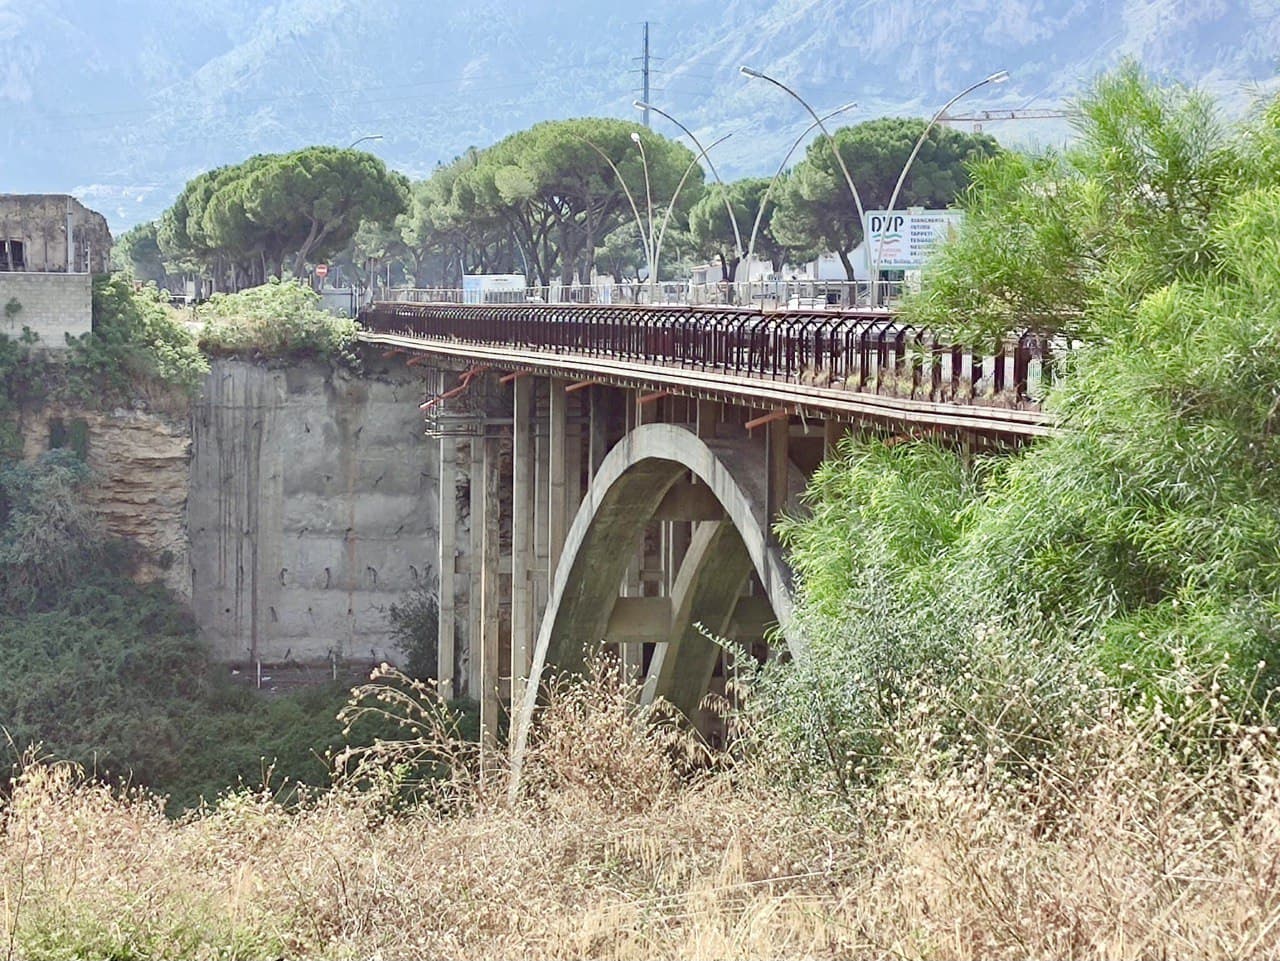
573 440
777 442
557 518
485 517
597 429
522 519
832 432
447 566
475 588
708 415
541 501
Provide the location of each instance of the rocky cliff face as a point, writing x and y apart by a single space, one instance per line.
291 507
142 460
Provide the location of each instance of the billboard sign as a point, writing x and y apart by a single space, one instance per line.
493 288
903 239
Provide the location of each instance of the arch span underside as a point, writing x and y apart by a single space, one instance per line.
624 496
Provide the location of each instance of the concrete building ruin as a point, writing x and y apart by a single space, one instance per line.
51 245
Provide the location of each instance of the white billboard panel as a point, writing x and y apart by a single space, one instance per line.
903 239
493 288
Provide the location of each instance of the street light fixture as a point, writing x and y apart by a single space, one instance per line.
1000 76
372 136
764 199
702 152
648 199
818 122
635 209
652 248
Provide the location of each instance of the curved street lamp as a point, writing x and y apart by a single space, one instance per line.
818 122
1000 76
648 199
702 152
764 199
652 246
373 136
635 209
666 218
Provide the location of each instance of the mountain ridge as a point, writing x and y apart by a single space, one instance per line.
122 102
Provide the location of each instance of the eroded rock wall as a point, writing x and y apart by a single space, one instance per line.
142 463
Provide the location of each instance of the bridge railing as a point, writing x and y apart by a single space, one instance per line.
767 294
864 351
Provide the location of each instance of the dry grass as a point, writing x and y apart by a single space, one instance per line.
1121 850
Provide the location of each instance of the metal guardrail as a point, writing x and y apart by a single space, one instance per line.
768 294
864 351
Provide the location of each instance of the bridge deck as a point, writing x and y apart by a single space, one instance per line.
842 363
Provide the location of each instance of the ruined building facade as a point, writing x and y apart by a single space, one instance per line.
51 245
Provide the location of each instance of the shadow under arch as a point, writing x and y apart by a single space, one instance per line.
623 497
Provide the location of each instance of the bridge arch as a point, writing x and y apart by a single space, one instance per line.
623 498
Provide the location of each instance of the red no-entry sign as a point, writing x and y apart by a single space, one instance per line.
322 270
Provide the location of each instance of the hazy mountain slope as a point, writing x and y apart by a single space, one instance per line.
122 101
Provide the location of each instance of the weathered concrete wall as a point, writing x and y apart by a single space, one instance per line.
52 305
312 509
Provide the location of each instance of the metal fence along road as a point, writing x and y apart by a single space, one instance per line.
864 351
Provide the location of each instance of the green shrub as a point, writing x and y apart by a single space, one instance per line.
1138 549
49 538
137 339
24 379
276 321
415 631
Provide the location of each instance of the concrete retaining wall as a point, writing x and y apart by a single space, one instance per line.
312 509
52 305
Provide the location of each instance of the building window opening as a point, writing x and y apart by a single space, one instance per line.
12 255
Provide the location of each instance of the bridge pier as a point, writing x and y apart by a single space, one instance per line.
674 558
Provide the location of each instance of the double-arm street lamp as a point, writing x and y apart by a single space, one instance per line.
702 152
821 125
1000 76
652 244
764 199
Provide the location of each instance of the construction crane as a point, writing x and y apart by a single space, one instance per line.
988 116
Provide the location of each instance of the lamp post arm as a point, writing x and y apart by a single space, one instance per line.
648 199
764 199
662 232
630 199
818 121
893 197
702 152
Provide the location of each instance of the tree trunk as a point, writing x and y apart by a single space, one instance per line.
301 259
848 265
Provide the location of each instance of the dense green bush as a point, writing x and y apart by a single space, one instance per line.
415 629
276 321
24 379
136 339
49 538
1136 551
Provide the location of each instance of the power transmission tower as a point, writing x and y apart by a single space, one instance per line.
644 73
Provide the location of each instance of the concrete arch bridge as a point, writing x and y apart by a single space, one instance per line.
615 470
